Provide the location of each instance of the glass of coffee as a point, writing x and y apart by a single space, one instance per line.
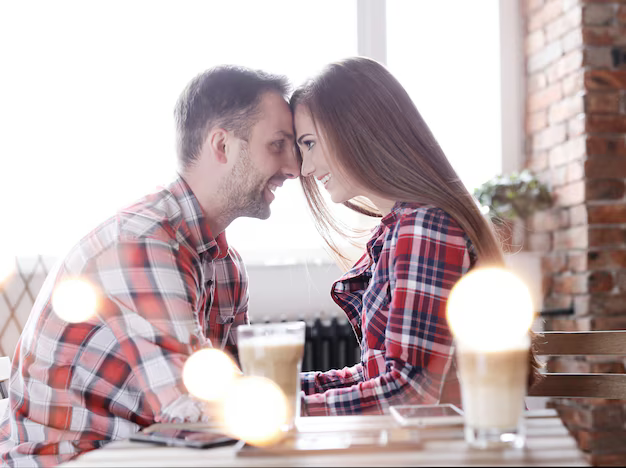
493 387
275 351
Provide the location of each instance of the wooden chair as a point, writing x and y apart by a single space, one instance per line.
587 385
5 372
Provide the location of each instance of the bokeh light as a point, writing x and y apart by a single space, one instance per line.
7 266
255 410
209 373
75 300
490 309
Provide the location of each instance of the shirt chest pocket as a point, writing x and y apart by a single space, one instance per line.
220 304
376 300
223 306
217 308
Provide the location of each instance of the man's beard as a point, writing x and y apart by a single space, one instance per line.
243 191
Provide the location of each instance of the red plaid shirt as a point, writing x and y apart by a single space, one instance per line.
395 298
167 287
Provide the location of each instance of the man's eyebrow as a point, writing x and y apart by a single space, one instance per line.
286 134
302 136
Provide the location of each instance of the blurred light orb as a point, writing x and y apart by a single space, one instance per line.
7 266
208 374
255 410
75 300
490 309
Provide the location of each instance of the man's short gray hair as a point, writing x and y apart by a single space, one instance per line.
225 96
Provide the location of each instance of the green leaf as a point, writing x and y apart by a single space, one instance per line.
514 195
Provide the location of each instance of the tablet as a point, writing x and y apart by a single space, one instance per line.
427 415
184 438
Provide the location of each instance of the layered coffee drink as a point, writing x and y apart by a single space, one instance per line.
493 388
275 351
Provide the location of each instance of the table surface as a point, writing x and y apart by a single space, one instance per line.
548 444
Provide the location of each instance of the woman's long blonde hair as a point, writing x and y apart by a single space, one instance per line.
377 136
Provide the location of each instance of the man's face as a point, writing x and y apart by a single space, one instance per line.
264 162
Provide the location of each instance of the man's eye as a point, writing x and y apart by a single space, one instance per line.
279 145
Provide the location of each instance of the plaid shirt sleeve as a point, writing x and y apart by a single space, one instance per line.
428 254
152 305
319 382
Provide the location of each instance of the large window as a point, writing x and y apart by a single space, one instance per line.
88 88
446 54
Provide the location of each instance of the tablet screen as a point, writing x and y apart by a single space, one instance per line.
427 414
184 438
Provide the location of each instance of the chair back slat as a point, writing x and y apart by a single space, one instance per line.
5 373
588 343
606 386
612 343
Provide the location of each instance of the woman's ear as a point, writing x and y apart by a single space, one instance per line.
218 139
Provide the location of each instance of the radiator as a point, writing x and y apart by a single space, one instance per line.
329 344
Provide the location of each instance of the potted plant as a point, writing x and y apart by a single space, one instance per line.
511 199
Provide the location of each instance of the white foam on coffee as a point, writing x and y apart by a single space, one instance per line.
495 343
271 340
493 384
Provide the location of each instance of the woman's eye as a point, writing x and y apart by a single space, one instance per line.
309 144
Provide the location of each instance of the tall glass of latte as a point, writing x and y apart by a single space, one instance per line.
275 351
493 387
490 311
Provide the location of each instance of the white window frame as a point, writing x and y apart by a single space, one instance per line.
372 42
372 29
512 86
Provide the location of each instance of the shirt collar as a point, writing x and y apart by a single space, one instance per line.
199 233
399 208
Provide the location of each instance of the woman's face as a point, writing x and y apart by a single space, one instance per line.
317 161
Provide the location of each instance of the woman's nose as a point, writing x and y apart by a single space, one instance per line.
307 167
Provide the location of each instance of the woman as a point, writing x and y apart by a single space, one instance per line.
360 135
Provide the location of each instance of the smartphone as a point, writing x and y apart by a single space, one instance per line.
427 415
184 438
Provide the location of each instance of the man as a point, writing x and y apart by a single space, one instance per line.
167 282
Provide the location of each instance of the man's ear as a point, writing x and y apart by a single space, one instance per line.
218 138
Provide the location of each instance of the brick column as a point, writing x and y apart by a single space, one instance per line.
576 127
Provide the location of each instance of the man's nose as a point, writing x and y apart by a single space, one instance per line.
291 169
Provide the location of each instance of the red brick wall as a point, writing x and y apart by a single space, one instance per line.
576 142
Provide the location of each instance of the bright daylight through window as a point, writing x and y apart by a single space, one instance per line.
88 91
451 69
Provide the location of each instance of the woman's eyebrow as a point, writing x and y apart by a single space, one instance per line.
302 136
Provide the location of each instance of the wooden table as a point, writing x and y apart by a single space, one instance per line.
548 444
